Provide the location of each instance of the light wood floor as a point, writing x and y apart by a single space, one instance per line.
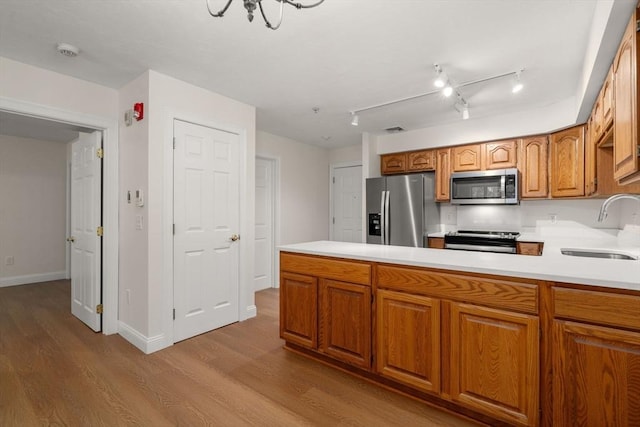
56 371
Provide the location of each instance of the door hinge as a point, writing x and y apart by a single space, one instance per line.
174 142
638 151
100 153
99 309
100 231
174 314
174 229
334 179
333 220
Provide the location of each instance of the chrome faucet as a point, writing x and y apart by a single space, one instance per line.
605 205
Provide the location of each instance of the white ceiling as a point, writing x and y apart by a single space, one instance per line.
342 56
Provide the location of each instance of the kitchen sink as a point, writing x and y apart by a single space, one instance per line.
596 253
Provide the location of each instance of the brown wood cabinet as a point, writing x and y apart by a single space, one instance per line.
393 163
299 309
436 242
567 162
495 362
421 161
596 359
626 122
590 162
606 100
325 306
529 248
443 171
408 339
499 155
466 158
596 376
533 166
345 322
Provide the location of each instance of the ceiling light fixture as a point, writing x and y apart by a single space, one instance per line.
67 49
447 91
517 83
441 79
251 5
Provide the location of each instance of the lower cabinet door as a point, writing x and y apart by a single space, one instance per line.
596 379
495 362
299 309
345 322
408 339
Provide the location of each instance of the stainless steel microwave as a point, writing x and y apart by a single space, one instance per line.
491 187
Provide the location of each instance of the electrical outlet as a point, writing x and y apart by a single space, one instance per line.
9 260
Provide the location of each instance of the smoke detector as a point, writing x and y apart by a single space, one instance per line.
68 50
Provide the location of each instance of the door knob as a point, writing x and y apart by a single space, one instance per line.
71 239
235 237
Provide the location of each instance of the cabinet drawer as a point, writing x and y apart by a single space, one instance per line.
346 271
597 307
483 290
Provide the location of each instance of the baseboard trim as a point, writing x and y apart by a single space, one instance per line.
143 343
32 278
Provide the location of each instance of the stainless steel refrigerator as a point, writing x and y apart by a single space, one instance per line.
402 209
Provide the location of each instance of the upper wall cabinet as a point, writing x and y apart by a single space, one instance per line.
420 161
466 158
393 163
567 162
533 167
443 170
499 155
625 113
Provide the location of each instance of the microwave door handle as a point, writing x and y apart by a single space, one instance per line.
503 189
383 214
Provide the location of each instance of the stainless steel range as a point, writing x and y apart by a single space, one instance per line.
484 241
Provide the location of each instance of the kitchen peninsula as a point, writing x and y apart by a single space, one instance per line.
502 338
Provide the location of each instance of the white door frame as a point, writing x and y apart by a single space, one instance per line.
245 274
110 223
332 168
276 215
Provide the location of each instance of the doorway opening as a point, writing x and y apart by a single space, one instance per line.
266 220
75 122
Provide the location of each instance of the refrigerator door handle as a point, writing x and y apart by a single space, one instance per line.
383 215
386 218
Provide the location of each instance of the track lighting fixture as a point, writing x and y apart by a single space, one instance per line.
517 83
444 85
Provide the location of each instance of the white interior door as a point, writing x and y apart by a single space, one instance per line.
347 204
206 218
265 212
86 245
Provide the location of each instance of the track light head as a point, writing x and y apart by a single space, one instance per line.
517 84
441 78
448 90
354 119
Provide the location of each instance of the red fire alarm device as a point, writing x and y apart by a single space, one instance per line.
138 111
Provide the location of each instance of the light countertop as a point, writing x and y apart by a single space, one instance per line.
550 266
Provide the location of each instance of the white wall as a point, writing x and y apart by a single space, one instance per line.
133 292
33 195
304 187
147 156
39 86
352 153
521 123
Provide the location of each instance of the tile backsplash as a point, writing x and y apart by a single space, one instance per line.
529 212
